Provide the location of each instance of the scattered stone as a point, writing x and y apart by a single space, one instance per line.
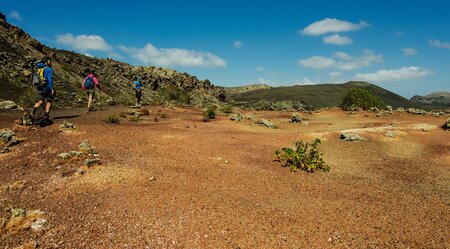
131 112
446 125
86 148
152 178
236 117
5 150
66 126
390 134
416 111
7 135
206 120
296 118
9 138
38 224
69 155
249 117
8 105
27 120
89 162
400 109
266 123
351 137
374 109
389 108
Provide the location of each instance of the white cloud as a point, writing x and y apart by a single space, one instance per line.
335 74
89 55
173 56
355 62
83 42
344 61
317 62
237 44
439 44
331 25
337 39
403 73
342 56
264 81
409 51
15 15
307 81
260 69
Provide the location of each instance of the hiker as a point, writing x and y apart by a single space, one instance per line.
43 80
89 84
137 85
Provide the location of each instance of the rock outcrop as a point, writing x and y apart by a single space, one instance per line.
19 51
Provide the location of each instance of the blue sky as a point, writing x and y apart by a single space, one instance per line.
403 46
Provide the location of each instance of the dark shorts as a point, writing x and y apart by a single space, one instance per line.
90 92
45 94
138 93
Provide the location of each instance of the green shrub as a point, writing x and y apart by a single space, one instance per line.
356 98
112 119
226 109
134 118
210 113
174 94
304 156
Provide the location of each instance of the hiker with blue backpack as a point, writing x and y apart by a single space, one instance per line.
43 80
89 84
137 85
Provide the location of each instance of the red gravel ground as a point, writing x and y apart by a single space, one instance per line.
217 184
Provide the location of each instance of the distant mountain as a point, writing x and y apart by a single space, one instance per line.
19 51
247 88
436 100
323 95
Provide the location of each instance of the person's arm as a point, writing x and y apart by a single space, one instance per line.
134 86
97 84
49 78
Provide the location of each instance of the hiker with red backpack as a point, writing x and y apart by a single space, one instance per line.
89 84
43 80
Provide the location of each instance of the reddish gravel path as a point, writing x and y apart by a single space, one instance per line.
217 185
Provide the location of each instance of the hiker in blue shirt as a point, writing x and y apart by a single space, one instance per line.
44 85
137 85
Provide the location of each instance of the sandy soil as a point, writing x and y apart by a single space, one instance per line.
217 184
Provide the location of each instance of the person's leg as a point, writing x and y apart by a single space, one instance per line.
48 105
89 100
35 107
138 99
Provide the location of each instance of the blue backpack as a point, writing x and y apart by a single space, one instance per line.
89 83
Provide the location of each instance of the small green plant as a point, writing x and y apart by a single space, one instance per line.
134 118
112 119
356 98
227 109
210 113
304 156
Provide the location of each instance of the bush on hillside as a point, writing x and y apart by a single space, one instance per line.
360 99
210 113
112 119
174 94
304 156
227 109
